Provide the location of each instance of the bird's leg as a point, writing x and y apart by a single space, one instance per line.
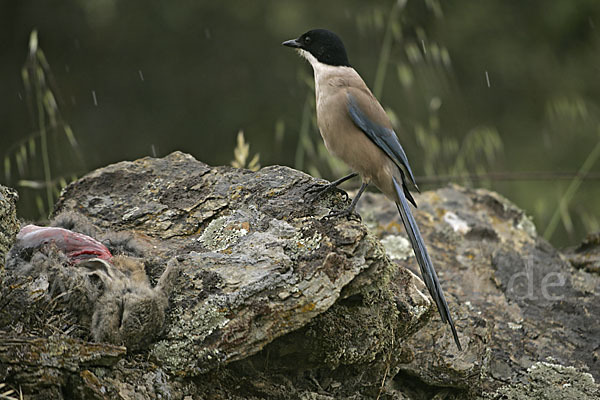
350 210
319 190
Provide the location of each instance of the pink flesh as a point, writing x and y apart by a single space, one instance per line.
76 246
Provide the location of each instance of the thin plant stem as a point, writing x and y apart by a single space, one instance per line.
566 198
44 140
303 136
384 54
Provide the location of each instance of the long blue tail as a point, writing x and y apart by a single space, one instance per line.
427 270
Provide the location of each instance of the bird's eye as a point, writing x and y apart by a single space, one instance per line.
307 40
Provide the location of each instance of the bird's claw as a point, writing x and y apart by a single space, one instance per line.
345 213
318 190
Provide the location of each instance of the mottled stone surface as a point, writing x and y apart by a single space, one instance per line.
586 255
550 382
516 300
9 225
42 366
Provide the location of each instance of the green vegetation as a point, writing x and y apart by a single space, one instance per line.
496 94
34 168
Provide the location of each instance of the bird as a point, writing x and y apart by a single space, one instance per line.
357 130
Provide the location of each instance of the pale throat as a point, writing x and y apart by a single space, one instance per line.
319 67
321 70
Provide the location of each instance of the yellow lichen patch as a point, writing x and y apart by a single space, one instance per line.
308 307
285 315
439 212
393 225
242 227
90 379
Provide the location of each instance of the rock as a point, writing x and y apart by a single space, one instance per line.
516 301
268 299
249 260
243 260
9 225
586 256
43 365
552 382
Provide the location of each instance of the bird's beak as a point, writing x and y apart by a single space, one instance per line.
292 43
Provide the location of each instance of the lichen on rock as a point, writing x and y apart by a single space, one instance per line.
9 225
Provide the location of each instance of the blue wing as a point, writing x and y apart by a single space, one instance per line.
384 138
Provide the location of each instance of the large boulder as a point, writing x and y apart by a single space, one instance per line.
241 257
517 301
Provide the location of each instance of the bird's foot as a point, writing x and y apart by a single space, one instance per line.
345 213
318 190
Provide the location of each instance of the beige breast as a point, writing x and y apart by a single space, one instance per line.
342 137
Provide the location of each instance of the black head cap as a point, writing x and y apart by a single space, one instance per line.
324 45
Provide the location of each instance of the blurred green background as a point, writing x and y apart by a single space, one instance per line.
497 94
